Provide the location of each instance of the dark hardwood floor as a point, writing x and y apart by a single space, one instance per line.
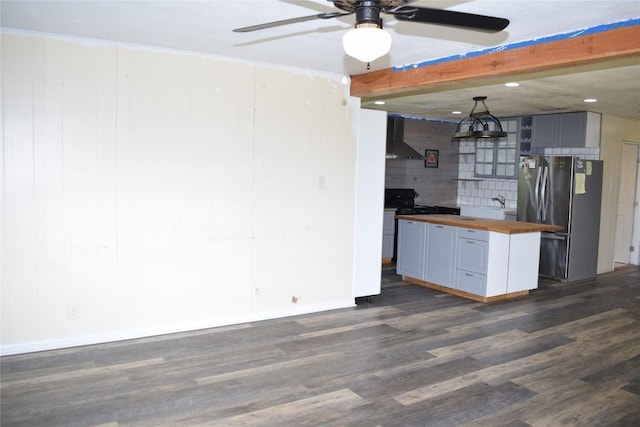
564 355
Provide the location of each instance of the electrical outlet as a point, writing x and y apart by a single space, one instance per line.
72 312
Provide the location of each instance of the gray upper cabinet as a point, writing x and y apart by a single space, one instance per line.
545 130
572 130
569 130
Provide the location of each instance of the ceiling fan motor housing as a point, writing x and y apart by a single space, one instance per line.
368 12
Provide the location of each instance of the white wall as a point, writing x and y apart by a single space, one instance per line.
149 191
615 131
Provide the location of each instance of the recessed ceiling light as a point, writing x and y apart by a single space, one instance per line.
590 100
512 84
456 112
379 102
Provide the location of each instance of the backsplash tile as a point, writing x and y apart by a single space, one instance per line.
433 185
583 153
480 191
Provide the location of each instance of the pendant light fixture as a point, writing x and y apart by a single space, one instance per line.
367 41
479 125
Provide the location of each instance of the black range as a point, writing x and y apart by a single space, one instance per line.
403 200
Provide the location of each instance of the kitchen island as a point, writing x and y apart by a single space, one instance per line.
480 259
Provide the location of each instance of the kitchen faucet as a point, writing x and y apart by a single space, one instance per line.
499 199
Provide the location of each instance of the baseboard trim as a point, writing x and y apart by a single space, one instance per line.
76 341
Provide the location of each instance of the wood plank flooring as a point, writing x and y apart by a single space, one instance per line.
565 355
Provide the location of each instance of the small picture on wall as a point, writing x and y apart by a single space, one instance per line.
431 158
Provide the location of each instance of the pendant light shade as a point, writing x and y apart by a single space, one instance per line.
479 125
366 42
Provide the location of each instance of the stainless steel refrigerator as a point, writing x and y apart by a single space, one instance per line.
563 191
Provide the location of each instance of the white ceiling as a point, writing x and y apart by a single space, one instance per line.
206 26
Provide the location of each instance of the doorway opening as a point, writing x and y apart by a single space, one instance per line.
628 223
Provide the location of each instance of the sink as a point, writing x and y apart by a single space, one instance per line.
488 212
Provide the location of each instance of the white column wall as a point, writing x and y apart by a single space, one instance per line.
615 131
369 215
148 191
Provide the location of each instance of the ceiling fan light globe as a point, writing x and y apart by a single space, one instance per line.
366 44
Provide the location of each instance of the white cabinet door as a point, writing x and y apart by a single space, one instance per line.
441 247
388 234
387 247
412 236
388 222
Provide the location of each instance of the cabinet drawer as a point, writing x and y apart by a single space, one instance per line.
470 233
473 255
471 282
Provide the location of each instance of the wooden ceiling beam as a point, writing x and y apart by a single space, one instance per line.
611 45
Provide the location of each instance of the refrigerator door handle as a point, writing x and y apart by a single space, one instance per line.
552 236
543 196
537 193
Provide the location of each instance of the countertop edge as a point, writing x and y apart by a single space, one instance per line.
495 225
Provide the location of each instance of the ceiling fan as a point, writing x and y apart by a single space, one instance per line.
367 41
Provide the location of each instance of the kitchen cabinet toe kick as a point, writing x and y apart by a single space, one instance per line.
463 294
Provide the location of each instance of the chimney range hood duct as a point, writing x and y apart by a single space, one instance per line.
397 148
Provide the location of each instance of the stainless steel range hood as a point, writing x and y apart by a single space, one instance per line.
397 148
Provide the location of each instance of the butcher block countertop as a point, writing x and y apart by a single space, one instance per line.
496 225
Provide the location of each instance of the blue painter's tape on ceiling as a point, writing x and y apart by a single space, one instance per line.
585 31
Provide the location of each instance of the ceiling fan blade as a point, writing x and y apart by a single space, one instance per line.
327 15
449 17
